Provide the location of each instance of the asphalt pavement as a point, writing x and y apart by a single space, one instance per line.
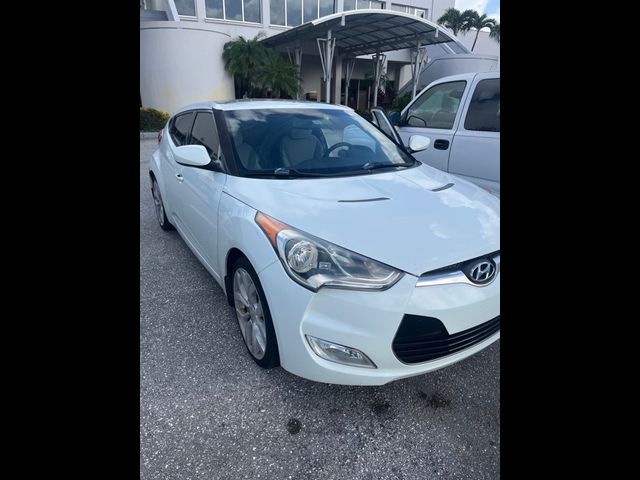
207 411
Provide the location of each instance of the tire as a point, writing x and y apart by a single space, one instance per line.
254 321
161 214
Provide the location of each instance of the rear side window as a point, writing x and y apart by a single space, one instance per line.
437 107
204 133
180 128
484 110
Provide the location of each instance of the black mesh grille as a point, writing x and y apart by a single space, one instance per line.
420 339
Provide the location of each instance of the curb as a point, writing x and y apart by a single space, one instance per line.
147 135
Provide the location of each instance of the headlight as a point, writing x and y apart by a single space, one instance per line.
315 263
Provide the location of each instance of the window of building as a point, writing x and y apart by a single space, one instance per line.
326 7
484 110
277 9
296 12
362 4
418 12
186 7
180 129
239 10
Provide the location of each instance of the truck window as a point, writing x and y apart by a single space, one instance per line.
484 110
437 107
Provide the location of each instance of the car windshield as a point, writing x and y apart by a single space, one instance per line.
293 142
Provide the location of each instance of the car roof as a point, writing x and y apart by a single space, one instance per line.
465 76
256 104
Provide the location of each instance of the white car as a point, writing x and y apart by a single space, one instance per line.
347 261
460 114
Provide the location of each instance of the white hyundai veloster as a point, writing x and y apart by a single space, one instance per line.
346 260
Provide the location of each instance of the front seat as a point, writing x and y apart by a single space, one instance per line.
445 117
248 156
299 145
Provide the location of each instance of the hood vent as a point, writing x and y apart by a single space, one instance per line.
365 200
444 187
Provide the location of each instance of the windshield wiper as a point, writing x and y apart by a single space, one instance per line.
374 165
287 173
292 172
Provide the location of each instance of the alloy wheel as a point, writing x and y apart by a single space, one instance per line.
250 313
157 201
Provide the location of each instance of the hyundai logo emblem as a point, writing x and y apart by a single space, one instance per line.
482 272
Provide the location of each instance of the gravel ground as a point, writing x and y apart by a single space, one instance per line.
207 411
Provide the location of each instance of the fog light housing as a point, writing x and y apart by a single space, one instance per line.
337 353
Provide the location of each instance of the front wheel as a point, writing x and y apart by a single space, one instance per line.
252 313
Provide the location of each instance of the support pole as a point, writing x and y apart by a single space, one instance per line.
337 75
378 60
350 64
326 47
417 66
296 59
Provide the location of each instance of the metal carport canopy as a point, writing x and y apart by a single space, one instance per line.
362 32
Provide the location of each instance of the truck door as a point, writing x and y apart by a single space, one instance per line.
434 114
475 153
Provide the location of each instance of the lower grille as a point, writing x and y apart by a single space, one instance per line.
420 339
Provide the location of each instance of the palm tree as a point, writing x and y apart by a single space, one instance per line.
456 21
495 33
277 76
242 59
479 22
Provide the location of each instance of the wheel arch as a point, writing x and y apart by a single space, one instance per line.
232 257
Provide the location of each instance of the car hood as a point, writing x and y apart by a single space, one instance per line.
410 219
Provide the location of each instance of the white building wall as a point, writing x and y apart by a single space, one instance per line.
179 66
484 45
181 61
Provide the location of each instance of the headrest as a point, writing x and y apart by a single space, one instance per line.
298 133
302 123
487 95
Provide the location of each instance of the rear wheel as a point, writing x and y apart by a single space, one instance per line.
252 313
161 215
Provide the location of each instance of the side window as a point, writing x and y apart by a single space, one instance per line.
204 133
180 128
484 110
437 107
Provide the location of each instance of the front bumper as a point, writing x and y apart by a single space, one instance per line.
368 321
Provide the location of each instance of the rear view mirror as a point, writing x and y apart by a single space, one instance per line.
417 143
193 155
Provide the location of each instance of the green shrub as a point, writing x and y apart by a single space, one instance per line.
366 114
152 120
400 102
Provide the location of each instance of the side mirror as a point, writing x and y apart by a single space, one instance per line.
193 155
417 143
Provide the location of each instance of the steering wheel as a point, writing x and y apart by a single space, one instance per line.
337 145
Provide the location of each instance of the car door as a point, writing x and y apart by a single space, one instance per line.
435 115
475 152
201 191
171 169
380 120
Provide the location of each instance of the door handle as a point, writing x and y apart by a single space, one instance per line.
179 177
441 144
